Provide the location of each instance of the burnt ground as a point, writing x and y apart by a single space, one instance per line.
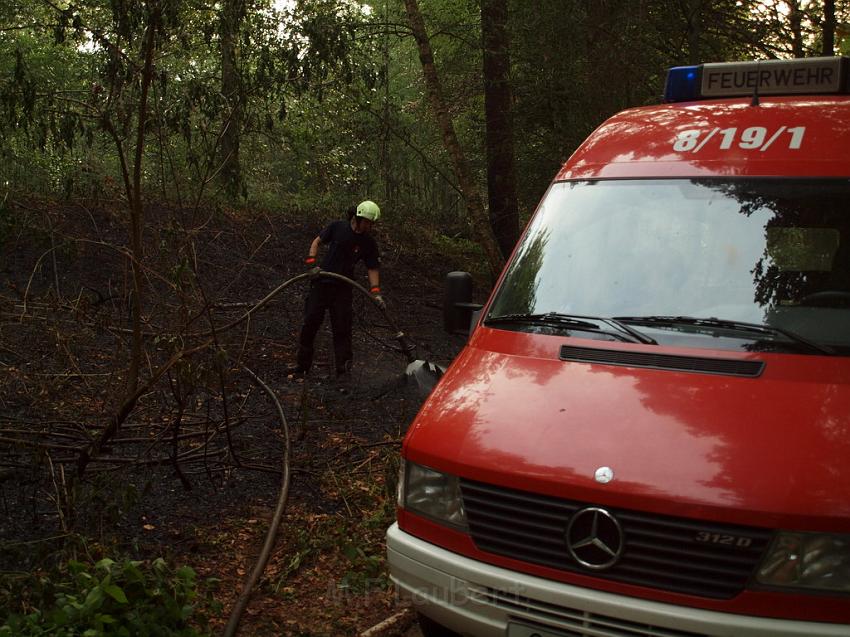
193 473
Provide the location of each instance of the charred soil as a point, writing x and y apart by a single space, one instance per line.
193 472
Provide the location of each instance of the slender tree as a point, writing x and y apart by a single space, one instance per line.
135 195
501 171
795 22
693 19
471 193
230 22
828 46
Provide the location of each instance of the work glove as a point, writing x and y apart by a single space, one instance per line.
312 264
376 296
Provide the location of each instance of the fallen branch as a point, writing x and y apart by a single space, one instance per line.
38 445
127 407
398 622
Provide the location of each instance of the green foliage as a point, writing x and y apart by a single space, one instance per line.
328 97
354 540
462 251
107 598
367 569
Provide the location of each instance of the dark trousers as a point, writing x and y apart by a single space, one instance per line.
337 300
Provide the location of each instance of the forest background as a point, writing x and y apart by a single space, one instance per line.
135 134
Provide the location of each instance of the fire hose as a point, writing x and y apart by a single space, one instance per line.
277 518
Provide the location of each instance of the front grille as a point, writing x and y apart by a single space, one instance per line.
573 621
659 552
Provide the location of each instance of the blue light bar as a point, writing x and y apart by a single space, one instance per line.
805 76
683 84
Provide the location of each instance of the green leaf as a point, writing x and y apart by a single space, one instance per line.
94 599
132 572
59 617
116 593
105 563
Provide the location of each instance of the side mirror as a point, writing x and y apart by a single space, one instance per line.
459 312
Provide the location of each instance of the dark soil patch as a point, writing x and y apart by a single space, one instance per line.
64 322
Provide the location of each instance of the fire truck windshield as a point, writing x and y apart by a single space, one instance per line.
720 255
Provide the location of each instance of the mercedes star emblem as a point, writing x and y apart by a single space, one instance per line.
595 538
604 475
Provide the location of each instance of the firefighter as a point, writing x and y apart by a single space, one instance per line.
348 242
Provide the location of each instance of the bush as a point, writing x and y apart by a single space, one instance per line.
126 598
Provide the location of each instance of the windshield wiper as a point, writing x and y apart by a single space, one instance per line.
578 322
738 326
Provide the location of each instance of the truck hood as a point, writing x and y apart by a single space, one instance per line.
771 450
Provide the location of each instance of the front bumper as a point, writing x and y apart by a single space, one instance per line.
478 600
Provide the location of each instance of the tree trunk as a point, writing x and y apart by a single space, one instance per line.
795 19
694 22
501 171
232 13
474 205
828 28
136 211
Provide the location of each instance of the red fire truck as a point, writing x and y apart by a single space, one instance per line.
648 430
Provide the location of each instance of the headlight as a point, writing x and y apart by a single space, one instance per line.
808 560
432 494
